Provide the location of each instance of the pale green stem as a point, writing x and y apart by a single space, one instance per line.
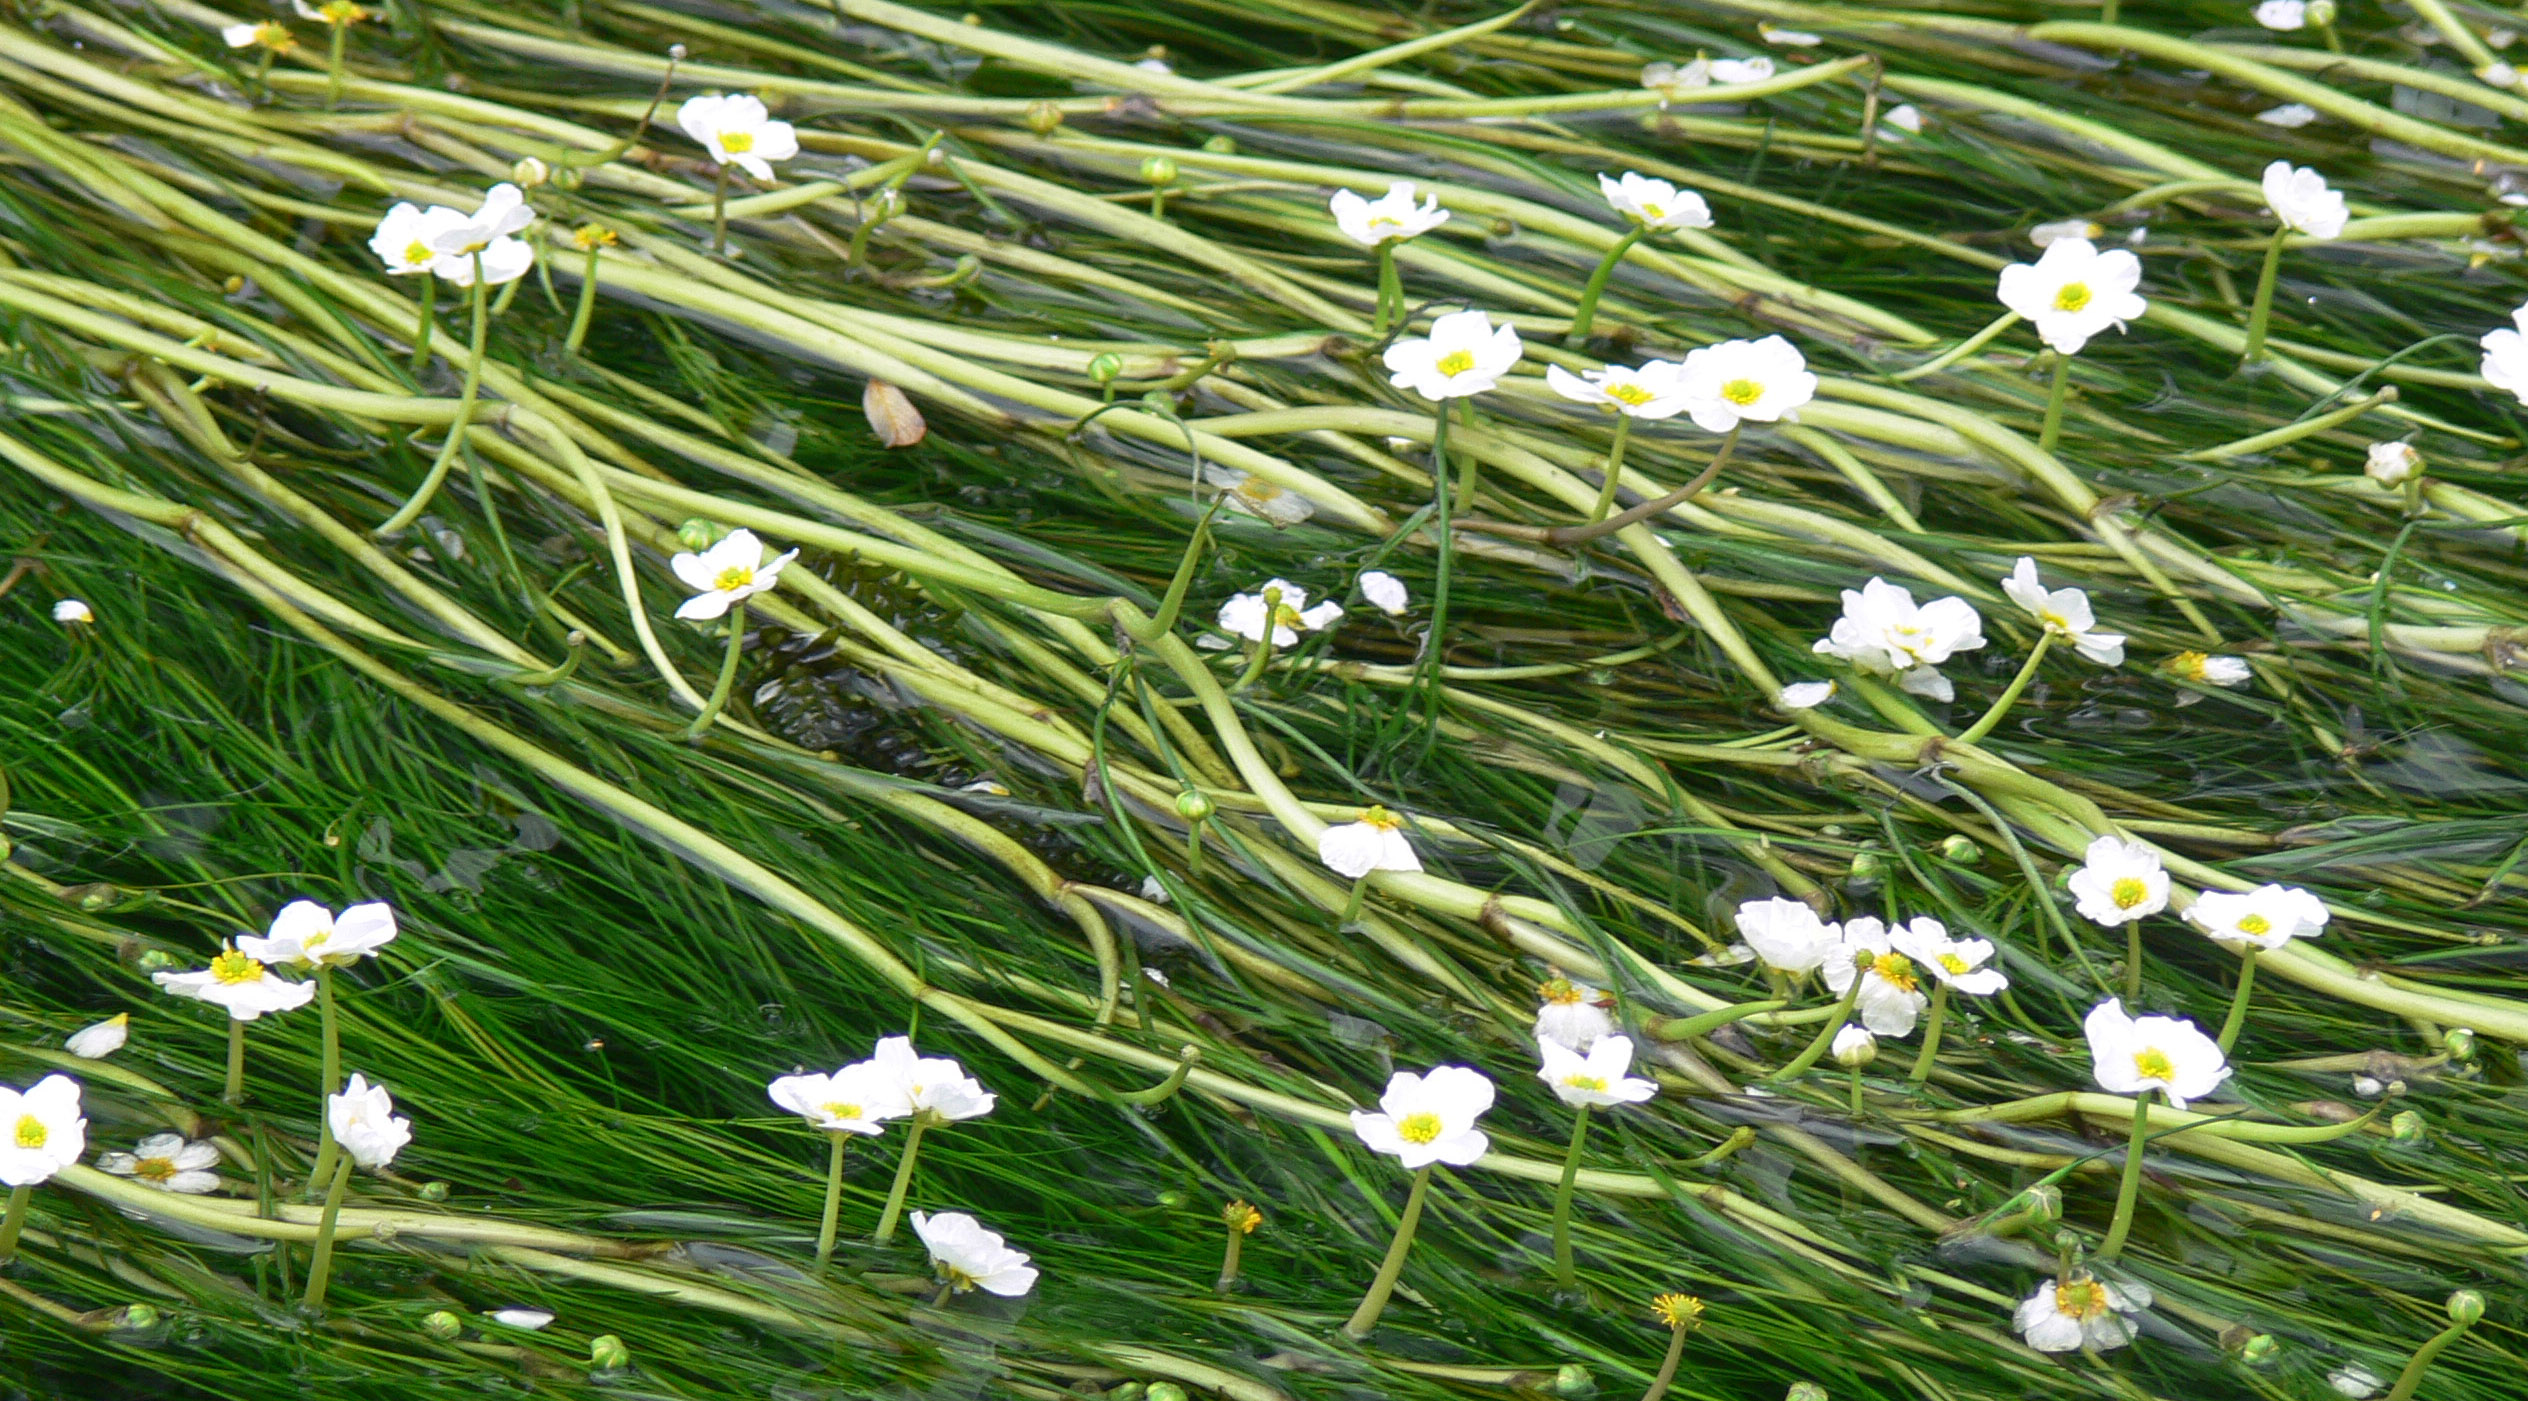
1352 906
2108 11
1930 1043
1582 534
1435 647
2260 314
2010 694
330 1033
903 1180
13 1222
2133 961
1470 471
1614 468
1390 313
333 65
1856 1092
1564 1272
2052 432
429 316
833 1198
587 307
1263 641
1825 1031
2131 1191
720 209
1960 350
2237 1019
1229 1261
1374 1302
1585 314
1668 1365
728 674
320 1266
2421 1361
411 510
234 1091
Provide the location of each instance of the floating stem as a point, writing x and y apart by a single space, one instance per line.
1374 1302
2131 1191
1585 315
903 1180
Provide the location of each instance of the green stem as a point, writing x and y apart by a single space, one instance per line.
2131 1191
2237 1019
2261 312
2416 1365
1435 646
320 1266
1194 849
2133 961
1825 1031
428 319
903 1180
1374 1302
13 1222
720 209
1856 1092
2052 432
587 307
1564 1272
234 1091
1930 1043
331 1036
1263 641
2107 11
1470 467
1390 313
1352 906
728 674
1614 469
333 65
1667 1365
1229 1261
1960 350
1158 202
2001 703
1581 534
448 450
1173 605
1584 315
833 1198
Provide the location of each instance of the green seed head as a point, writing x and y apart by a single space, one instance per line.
1158 170
443 1325
2465 1307
1043 118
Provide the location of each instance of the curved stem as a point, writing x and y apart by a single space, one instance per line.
234 1091
587 307
1856 1092
2133 960
1584 315
1704 1023
331 1034
1390 313
2131 1191
2052 431
833 1197
1614 468
1435 646
2421 1361
1667 1366
903 1180
2237 1019
1374 1302
428 319
2261 313
720 209
1960 350
333 64
2002 703
728 674
1173 605
13 1222
320 1267
1352 906
1229 1261
1825 1032
1930 1043
1263 653
1581 534
455 442
1564 1272
1470 469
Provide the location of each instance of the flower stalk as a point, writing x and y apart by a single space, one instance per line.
1390 313
1565 1273
727 679
1263 654
320 1265
720 209
330 1034
233 1089
833 1197
1614 469
1585 314
13 1221
1931 1025
2010 693
455 442
1374 1302
425 323
903 1180
2236 1021
586 310
2260 312
1241 1219
2465 1307
2052 431
340 31
2130 1191
1825 1033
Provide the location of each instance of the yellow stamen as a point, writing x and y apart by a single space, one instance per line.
733 578
2081 1298
1419 1128
1630 395
2153 1063
1653 212
155 1169
1955 964
1241 1218
31 1132
2073 297
1456 362
839 1110
1560 991
232 968
2255 924
1384 821
1678 1311
1896 971
1742 392
2189 665
1595 1084
2128 891
417 253
737 143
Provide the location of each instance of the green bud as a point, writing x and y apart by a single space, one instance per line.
1221 146
2459 1043
138 1317
1572 1379
2321 12
1129 1391
1158 170
2045 1203
699 534
529 172
1105 368
1866 865
2260 1350
1194 805
443 1325
1961 850
2465 1307
1805 1391
1173 1198
2406 1127
1043 118
569 177
156 961
1164 1391
606 1353
434 1191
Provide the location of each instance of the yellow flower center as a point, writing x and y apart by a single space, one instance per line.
1419 1128
342 12
1595 1084
1630 395
2153 1063
1653 212
1254 489
155 1169
733 578
1456 362
1285 616
2073 297
2255 924
737 143
1895 970
1955 964
1678 1310
417 253
2189 665
274 36
1742 392
2082 1298
840 1110
591 236
1382 221
2128 891
232 968
1559 991
956 1279
1242 1218
1387 821
31 1132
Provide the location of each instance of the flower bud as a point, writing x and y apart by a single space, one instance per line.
2406 1127
2045 1203
1164 1391
2459 1043
606 1353
156 961
443 1325
1043 118
1158 170
699 534
1572 1379
1129 1391
2321 12
1854 1047
1105 368
1866 866
1220 145
1960 849
2465 1307
529 172
2393 464
1805 1391
433 1191
2260 1350
1194 805
138 1317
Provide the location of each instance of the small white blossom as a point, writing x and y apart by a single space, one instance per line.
165 1161
1960 963
2065 613
1787 38
1426 1119
71 610
2085 1312
1670 76
1573 1014
2301 200
2290 116
1891 995
307 935
2130 1055
1786 934
1392 217
1654 204
407 239
2046 235
858 1098
1741 70
933 1085
2119 882
1655 391
1760 381
41 1130
1804 695
1154 890
2498 75
2283 15
1854 1047
737 130
529 1319
488 234
1374 843
2354 1380
1258 497
365 1123
100 1039
239 983
1883 632
1243 614
1596 1079
969 1257
2210 670
728 572
2072 292
2267 917
1385 592
2392 465
2506 356
1900 121
1464 355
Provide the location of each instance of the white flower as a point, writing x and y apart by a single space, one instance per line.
1573 1014
1375 843
1956 962
487 233
1258 497
1465 355
529 1319
2085 1312
100 1039
2290 116
1891 994
1804 695
1763 381
1391 217
1654 391
2284 15
307 935
2210 670
2498 75
239 983
41 1131
2300 199
332 11
365 1123
1853 1047
1154 890
1426 1119
1884 633
71 610
2392 465
1666 75
2506 356
2073 291
970 1257
858 1098
2065 613
2119 882
165 1161
1787 38
2268 916
1596 1079
1742 70
2354 1380
2046 235
1786 934
407 238
2169 1054
1243 614
1900 121
934 1085
729 571
1654 204
737 131
1385 592
238 36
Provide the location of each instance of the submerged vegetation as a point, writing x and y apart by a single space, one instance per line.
2008 830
